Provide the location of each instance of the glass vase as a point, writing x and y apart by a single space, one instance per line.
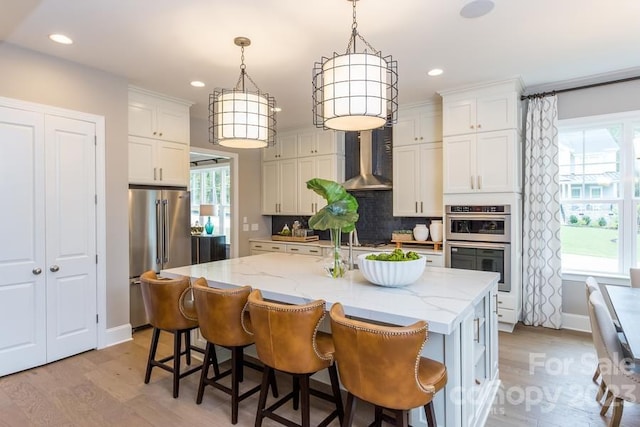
334 264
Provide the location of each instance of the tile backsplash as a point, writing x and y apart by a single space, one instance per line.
376 221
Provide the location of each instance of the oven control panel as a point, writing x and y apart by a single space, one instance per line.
502 209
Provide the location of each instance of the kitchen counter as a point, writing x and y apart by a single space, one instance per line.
459 306
382 248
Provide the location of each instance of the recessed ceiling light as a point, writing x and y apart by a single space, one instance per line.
435 72
476 8
60 38
276 109
197 83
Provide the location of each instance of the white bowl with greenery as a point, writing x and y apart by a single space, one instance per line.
391 273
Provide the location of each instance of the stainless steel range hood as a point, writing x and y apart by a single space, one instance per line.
367 180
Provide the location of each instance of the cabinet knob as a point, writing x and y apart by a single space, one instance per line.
54 268
479 126
421 138
471 127
36 271
415 139
155 133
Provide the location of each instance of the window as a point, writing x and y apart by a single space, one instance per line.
600 193
212 185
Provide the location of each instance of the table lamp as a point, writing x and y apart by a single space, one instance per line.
207 210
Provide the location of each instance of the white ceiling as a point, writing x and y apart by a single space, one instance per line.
162 45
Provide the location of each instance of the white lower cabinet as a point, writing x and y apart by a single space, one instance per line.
260 247
479 336
155 162
417 180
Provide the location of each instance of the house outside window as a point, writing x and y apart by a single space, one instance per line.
600 193
212 185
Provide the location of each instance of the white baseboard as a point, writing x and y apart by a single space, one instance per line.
117 335
576 322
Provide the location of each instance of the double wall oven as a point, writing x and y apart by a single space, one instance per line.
479 238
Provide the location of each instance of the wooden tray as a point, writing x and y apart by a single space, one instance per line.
294 239
436 245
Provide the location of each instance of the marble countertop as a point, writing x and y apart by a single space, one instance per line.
327 243
442 296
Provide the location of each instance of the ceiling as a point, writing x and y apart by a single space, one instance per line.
162 45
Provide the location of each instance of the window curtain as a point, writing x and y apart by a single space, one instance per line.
542 281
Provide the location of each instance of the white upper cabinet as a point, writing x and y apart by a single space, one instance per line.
158 139
320 142
286 147
279 189
485 109
417 180
481 144
418 124
157 117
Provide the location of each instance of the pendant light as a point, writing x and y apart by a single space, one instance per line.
355 91
242 118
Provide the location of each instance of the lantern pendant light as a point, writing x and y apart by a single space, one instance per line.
355 91
240 117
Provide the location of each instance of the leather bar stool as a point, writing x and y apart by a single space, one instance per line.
382 365
223 322
287 340
168 307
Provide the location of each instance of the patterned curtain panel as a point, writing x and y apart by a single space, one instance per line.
542 282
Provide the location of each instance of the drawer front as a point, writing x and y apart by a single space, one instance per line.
506 300
305 250
268 247
506 315
434 260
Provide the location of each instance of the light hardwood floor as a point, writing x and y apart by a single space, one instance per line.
546 382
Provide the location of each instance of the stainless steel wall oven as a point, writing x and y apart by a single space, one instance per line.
479 238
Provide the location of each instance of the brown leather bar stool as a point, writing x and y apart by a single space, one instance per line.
382 365
287 340
169 309
221 316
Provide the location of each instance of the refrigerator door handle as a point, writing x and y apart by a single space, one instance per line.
165 233
158 232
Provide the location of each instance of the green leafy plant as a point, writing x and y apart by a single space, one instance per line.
341 210
339 215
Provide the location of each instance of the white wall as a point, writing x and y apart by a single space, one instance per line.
34 77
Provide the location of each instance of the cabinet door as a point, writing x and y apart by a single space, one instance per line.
307 145
430 195
459 164
173 123
307 199
406 130
496 112
288 147
430 125
495 161
142 118
172 161
459 117
406 177
329 142
270 188
288 186
142 160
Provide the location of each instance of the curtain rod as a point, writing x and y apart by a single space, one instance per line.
554 92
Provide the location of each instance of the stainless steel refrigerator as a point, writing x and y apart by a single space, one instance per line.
159 237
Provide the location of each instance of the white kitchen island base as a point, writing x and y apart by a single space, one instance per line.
459 305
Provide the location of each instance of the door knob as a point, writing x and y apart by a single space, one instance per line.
54 268
36 271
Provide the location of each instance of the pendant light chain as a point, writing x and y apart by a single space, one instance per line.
354 33
243 73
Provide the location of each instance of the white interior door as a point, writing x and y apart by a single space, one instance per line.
22 249
70 236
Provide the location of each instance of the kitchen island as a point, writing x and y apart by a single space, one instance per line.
459 305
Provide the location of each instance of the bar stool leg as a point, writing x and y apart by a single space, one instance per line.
152 354
274 385
205 372
304 398
264 390
236 377
378 417
177 344
335 388
350 411
431 414
187 346
296 392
